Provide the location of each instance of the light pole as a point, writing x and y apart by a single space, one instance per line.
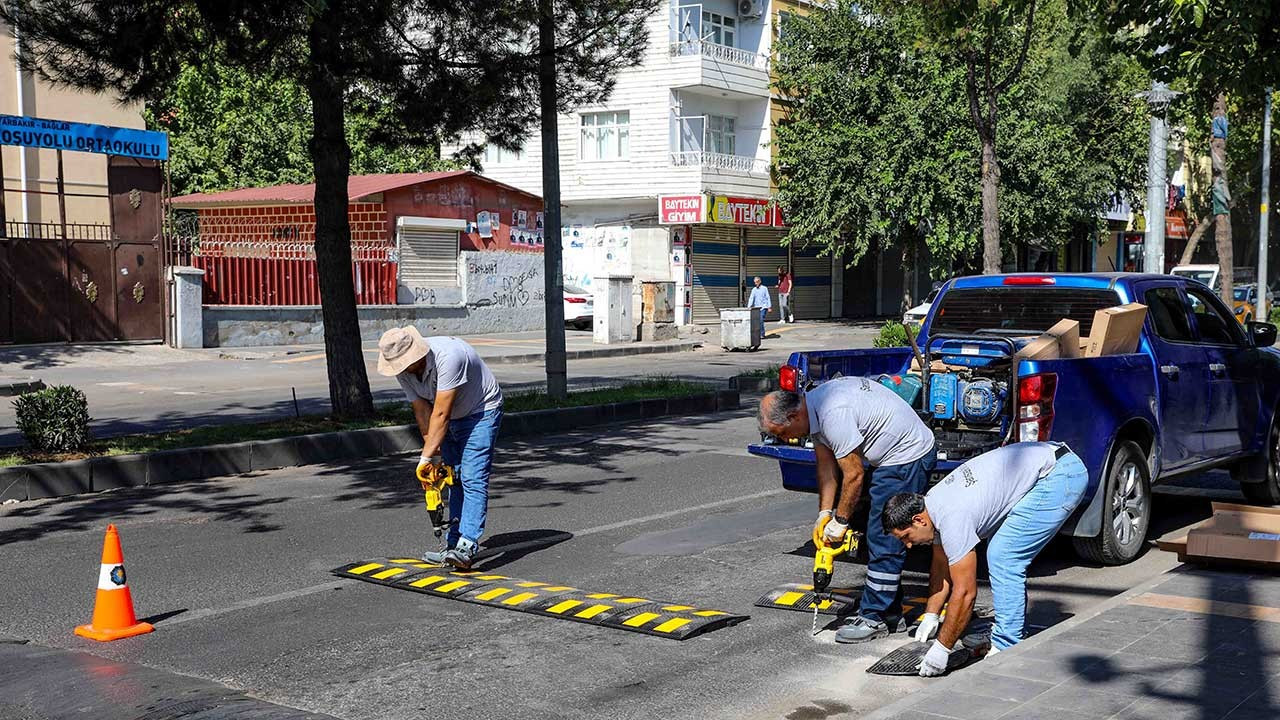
1158 99
1262 310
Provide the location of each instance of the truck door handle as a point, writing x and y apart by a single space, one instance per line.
1170 370
1217 368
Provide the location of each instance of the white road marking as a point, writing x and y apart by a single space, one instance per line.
204 613
185 392
676 513
122 383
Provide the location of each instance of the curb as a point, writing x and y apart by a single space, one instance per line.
620 351
47 480
753 383
14 386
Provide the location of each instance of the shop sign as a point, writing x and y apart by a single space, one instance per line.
682 209
741 211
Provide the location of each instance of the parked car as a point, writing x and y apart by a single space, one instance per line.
579 307
917 314
1200 392
1245 301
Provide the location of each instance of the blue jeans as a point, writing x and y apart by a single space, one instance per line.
882 593
1030 525
468 446
763 312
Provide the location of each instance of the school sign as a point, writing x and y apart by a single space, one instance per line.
83 137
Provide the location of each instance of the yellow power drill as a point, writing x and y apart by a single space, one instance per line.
434 479
824 566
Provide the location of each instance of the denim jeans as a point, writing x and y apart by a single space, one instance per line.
1031 524
763 312
882 593
468 446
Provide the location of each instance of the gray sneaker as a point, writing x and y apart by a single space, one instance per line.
435 557
462 555
864 629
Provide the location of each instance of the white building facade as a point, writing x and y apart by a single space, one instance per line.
688 130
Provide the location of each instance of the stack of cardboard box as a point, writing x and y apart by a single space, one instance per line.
1115 331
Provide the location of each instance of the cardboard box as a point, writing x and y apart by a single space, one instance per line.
1116 330
1233 534
1060 341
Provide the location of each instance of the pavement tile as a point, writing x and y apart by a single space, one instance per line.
1238 681
1032 669
1005 687
1136 614
1246 653
964 706
918 715
1207 705
1124 675
1079 656
1100 637
1204 628
1255 709
1040 712
1157 646
1085 703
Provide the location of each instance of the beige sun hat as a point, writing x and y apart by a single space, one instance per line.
398 348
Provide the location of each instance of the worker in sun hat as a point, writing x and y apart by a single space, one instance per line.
458 406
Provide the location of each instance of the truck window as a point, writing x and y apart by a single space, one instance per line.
1025 310
1168 313
1215 327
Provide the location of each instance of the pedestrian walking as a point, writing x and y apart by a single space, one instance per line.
859 428
1017 497
784 295
458 407
760 299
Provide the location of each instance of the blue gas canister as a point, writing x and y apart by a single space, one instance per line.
907 387
942 395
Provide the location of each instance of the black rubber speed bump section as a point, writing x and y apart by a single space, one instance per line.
795 596
621 612
906 659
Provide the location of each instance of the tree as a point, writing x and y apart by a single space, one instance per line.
877 146
437 67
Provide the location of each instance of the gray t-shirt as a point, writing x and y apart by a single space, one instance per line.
856 413
453 364
970 504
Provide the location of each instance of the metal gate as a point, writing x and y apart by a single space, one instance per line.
811 286
764 255
717 272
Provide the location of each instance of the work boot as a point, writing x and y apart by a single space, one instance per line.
863 629
461 555
435 557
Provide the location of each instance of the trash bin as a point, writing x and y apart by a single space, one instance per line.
740 328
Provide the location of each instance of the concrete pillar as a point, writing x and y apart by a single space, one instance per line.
613 320
188 308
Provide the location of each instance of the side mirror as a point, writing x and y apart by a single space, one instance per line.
1263 334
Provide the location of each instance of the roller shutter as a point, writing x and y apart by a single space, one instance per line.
428 252
811 296
764 255
716 265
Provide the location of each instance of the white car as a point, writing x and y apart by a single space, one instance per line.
579 307
917 314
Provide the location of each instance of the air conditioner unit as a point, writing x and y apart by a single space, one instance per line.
750 9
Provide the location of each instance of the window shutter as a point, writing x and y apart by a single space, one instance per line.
428 251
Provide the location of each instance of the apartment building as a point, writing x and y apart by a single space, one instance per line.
669 179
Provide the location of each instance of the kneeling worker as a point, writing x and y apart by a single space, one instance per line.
1018 497
458 406
853 421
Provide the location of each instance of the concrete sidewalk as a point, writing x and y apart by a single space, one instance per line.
1193 643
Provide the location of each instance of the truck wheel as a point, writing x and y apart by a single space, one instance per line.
1126 509
1266 492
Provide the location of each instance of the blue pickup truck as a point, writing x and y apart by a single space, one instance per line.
1200 392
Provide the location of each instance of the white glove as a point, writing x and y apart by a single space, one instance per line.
833 533
935 661
928 627
434 460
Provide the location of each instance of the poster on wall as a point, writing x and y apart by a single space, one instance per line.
523 220
539 225
482 224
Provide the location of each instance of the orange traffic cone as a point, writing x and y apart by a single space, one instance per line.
113 616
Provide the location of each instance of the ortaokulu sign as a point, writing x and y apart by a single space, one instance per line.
83 137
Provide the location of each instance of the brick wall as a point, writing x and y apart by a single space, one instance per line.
237 230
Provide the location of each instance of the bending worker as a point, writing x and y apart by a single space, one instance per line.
1018 497
855 423
458 406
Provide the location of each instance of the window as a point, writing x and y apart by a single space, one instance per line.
606 135
784 18
1013 310
1168 314
494 155
1216 327
720 132
719 29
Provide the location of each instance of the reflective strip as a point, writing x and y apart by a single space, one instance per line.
491 577
672 624
677 608
788 598
410 561
104 577
890 577
593 611
884 588
389 573
601 596
561 607
557 588
826 603
491 594
641 619
453 585
631 601
709 613
429 580
531 584
517 599
364 568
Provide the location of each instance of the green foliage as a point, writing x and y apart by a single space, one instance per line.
894 334
53 420
1274 317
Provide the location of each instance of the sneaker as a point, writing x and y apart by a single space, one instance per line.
435 557
461 555
863 629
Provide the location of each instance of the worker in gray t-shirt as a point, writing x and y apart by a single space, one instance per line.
859 427
458 406
1016 497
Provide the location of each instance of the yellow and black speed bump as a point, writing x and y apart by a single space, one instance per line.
795 596
621 612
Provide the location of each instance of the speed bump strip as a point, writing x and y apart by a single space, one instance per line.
795 596
622 612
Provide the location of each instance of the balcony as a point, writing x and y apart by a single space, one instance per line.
720 54
720 161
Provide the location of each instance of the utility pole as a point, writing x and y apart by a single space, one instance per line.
553 258
1262 311
1158 99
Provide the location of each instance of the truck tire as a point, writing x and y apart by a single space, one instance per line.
1266 491
1126 509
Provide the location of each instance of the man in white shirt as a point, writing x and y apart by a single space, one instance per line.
1017 497
859 427
458 406
760 299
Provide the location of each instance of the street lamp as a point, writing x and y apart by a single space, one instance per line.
1158 99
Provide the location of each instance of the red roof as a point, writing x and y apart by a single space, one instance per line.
358 186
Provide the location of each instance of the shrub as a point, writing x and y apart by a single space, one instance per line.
1274 318
54 420
894 334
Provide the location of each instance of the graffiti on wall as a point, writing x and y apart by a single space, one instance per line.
511 281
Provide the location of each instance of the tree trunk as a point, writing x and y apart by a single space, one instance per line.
1190 250
553 259
1222 202
991 257
348 380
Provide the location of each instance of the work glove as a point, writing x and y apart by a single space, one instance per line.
928 627
833 533
823 518
935 661
429 463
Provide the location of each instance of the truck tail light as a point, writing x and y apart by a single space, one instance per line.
1030 280
789 378
1035 406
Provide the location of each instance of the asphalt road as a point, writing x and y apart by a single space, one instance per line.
235 575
